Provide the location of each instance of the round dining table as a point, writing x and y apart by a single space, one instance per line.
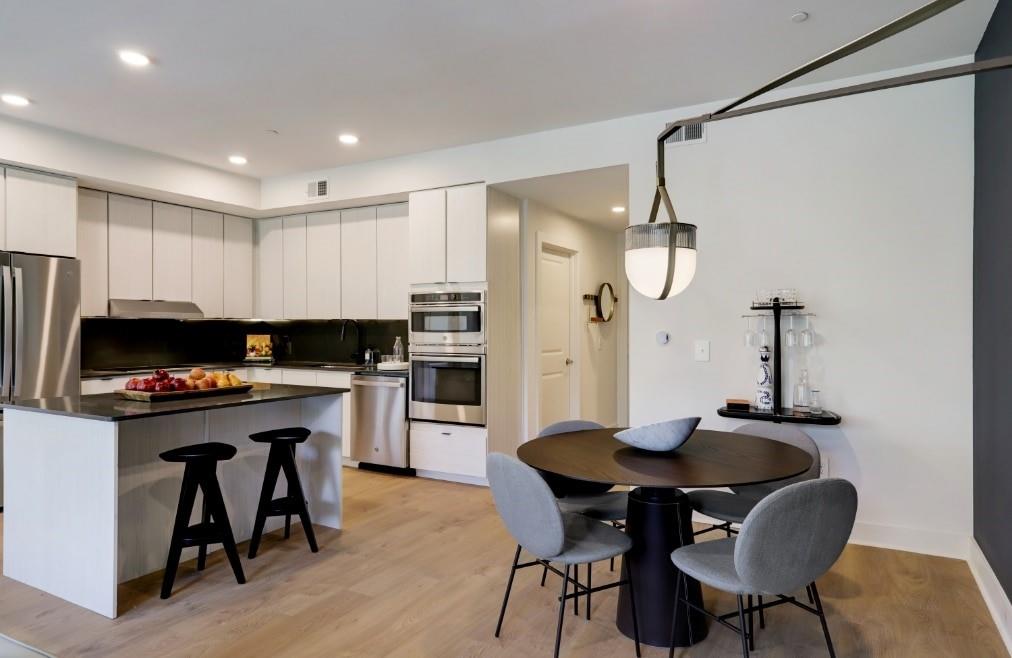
659 516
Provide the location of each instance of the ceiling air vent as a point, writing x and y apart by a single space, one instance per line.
694 133
317 189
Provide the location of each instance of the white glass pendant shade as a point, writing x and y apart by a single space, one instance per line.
646 258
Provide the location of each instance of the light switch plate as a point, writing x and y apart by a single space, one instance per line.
702 350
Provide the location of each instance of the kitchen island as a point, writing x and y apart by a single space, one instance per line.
89 504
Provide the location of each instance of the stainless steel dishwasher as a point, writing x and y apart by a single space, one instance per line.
379 420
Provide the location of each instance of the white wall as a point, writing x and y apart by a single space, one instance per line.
125 169
597 355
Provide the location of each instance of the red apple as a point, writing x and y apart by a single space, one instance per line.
162 375
148 385
133 384
211 382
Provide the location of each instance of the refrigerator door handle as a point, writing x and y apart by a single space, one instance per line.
8 334
19 330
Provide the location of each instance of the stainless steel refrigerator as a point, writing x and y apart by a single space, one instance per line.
40 329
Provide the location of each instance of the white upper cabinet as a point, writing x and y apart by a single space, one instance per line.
358 263
238 260
427 236
268 289
93 250
293 265
208 262
130 264
323 265
171 252
41 213
393 286
466 225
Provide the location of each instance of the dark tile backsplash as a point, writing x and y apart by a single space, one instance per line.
125 343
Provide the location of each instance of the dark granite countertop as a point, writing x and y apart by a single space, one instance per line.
110 407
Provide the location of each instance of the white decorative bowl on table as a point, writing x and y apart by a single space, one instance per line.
665 436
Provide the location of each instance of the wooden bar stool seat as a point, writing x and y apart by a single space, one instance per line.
282 458
201 462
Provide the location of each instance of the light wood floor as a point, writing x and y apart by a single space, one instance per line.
420 570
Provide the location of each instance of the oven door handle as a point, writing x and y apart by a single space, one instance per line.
451 359
442 307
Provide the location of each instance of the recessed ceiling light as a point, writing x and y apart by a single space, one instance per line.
134 58
237 159
15 100
618 209
799 16
347 138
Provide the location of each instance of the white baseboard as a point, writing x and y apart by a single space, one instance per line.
994 596
915 540
452 477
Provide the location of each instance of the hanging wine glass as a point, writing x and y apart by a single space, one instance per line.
790 338
764 337
751 337
807 334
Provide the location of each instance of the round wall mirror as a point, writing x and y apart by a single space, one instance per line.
604 302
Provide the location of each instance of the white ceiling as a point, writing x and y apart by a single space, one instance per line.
410 75
588 195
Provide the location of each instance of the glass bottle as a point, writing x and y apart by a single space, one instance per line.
398 350
814 403
801 391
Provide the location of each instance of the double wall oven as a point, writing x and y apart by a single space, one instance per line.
447 355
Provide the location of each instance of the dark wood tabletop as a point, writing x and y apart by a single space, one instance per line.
708 459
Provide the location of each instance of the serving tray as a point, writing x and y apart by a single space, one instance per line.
166 396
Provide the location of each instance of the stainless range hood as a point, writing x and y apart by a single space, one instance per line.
143 308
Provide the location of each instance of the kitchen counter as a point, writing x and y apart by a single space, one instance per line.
110 407
89 504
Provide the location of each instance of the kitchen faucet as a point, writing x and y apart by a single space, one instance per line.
358 337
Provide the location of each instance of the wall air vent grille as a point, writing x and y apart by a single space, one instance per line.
317 189
694 133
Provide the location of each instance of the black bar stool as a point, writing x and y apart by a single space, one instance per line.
201 466
282 457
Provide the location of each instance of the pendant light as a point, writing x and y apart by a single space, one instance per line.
660 257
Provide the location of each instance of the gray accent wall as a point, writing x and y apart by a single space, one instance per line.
992 303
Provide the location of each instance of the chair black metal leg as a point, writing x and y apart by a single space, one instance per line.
762 615
590 586
544 574
216 503
674 614
295 486
688 610
751 622
509 586
291 494
611 566
741 625
266 495
808 591
187 495
562 611
822 618
205 517
727 528
632 605
576 589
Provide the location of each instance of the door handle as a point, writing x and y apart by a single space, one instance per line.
19 329
569 362
8 329
379 384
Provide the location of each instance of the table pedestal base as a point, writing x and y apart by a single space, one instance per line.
658 521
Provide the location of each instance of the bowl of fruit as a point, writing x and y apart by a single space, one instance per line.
163 386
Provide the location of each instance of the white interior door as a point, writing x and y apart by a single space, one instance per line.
554 331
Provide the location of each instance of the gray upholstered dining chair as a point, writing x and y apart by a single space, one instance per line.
789 539
532 516
593 499
733 507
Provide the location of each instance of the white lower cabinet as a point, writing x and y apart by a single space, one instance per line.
449 449
340 380
298 377
265 375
